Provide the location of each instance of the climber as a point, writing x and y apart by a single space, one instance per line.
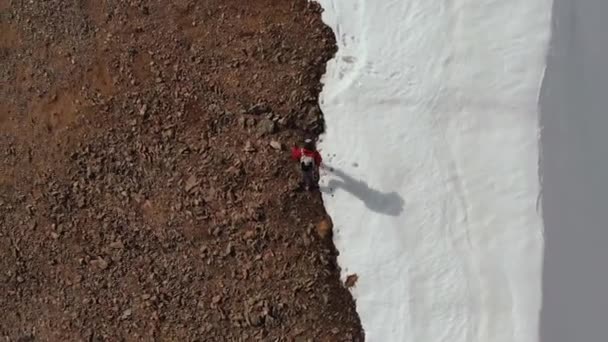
310 161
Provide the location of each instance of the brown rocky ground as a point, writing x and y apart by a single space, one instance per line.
145 186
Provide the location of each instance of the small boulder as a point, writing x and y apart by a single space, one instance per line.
191 182
276 145
351 280
99 263
266 126
324 228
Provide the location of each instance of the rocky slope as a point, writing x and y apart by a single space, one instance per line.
146 191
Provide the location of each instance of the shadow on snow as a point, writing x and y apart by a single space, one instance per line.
390 203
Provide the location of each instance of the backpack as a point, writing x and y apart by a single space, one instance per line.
307 162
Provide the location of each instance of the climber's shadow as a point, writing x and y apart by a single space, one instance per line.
390 203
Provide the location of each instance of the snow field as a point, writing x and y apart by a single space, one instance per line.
432 129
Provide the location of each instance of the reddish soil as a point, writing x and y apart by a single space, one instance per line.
140 196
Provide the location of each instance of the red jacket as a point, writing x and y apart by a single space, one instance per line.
296 154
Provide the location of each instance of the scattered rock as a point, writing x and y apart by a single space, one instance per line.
117 245
351 280
229 250
143 110
99 263
249 147
324 228
250 122
126 314
27 337
314 112
168 133
258 109
276 145
257 320
136 127
266 126
283 121
191 183
242 122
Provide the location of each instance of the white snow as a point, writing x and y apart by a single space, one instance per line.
432 128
